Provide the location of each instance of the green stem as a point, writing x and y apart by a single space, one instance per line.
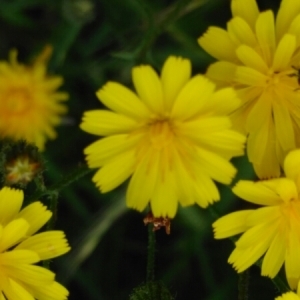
74 175
243 285
151 254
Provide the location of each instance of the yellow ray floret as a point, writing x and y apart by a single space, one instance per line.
172 138
271 231
20 250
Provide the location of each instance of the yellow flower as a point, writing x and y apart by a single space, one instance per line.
288 296
173 136
30 105
20 248
273 230
259 57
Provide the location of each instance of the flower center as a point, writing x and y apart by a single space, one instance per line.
284 79
161 133
17 100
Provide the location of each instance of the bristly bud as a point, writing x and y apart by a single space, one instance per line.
21 163
154 290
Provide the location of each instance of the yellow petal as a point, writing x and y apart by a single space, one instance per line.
292 164
284 52
265 33
102 151
15 291
12 233
103 122
192 98
222 71
10 204
270 213
53 291
223 102
164 200
216 166
231 224
250 58
283 126
240 31
33 275
47 244
256 234
122 100
274 258
36 214
242 259
115 172
250 77
292 258
19 257
246 9
211 40
148 87
175 74
206 190
143 181
256 192
288 10
184 180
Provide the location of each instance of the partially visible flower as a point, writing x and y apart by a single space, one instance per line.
21 248
259 57
272 230
30 105
173 136
288 296
21 170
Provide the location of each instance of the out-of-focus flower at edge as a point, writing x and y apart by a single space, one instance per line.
272 230
259 57
20 248
30 105
288 296
173 136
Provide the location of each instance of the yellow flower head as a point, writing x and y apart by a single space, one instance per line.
21 248
272 230
259 57
288 296
30 105
173 136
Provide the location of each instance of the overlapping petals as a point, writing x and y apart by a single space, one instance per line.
260 58
272 230
172 138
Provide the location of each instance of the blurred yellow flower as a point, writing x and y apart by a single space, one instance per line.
288 296
30 105
259 57
173 136
20 248
272 230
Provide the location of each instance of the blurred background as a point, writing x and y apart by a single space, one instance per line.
99 40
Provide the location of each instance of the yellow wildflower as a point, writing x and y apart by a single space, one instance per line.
30 105
20 248
260 58
173 136
272 230
288 296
